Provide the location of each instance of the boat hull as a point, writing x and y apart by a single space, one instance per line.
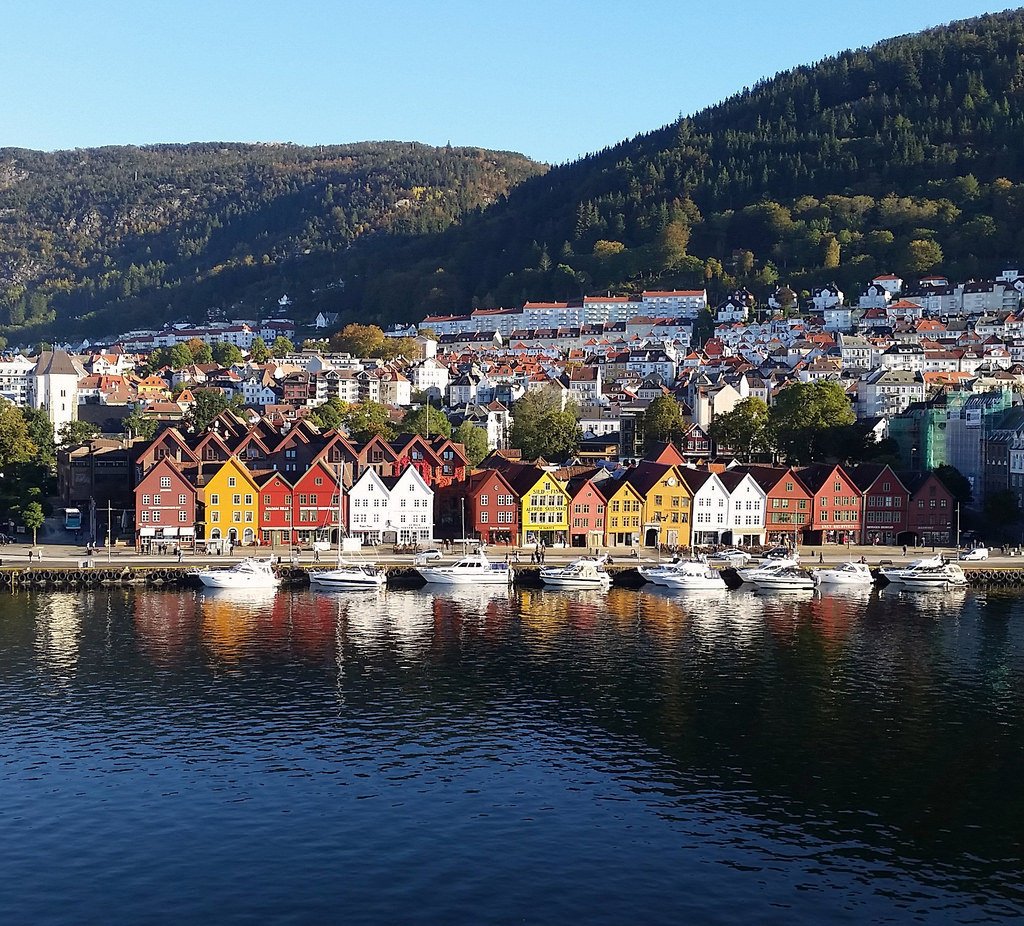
575 582
694 583
439 577
226 579
332 580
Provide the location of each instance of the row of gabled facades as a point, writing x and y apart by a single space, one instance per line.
249 484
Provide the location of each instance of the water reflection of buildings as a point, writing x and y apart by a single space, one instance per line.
58 632
165 625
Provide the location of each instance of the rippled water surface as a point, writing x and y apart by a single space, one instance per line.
477 757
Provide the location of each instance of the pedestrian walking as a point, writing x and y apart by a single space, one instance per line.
904 549
316 554
179 554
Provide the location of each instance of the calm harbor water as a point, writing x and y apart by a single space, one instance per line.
506 757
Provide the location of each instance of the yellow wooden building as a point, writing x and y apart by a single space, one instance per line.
664 512
229 501
544 515
623 515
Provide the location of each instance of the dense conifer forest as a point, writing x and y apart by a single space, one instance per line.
905 157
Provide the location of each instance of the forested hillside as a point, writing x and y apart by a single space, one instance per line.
116 236
905 157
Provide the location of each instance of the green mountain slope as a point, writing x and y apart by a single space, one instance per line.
905 156
113 236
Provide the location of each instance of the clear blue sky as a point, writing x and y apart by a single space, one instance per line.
551 79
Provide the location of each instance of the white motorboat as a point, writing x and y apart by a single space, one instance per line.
349 574
933 572
655 574
845 574
692 575
476 569
791 578
586 572
247 573
767 567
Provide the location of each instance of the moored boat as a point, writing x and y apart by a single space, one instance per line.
767 567
791 578
250 572
476 569
845 574
348 574
692 575
933 572
586 572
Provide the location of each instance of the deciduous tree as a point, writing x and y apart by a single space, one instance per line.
744 430
427 420
804 418
76 432
368 419
663 421
540 428
474 439
33 518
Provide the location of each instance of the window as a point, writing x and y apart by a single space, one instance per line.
657 500
248 499
266 499
303 499
182 499
231 482
483 517
183 516
156 515
483 501
214 517
236 499
236 516
156 499
146 499
165 482
318 481
145 515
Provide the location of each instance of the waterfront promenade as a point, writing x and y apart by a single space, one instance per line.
75 554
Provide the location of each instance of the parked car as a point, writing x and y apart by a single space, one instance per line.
778 553
425 556
6 539
732 557
978 553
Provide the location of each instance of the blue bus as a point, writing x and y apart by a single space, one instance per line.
72 519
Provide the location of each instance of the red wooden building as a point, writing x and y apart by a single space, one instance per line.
492 508
885 504
165 508
835 504
931 518
275 510
315 504
789 508
586 512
